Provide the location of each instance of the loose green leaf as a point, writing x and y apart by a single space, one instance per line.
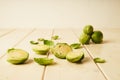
55 37
76 45
48 42
40 39
99 60
44 61
33 42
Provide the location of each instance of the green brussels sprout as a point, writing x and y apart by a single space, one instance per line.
88 29
40 49
84 38
17 56
44 61
97 37
60 50
75 56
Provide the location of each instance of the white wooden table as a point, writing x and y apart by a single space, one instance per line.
63 70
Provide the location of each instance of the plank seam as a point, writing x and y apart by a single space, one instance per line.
7 33
44 71
19 41
91 56
103 73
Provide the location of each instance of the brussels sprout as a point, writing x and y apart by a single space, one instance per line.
56 37
60 50
88 29
75 56
48 42
97 37
40 49
76 45
17 56
84 38
33 42
44 61
41 39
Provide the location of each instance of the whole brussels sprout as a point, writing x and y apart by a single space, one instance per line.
97 37
88 29
84 38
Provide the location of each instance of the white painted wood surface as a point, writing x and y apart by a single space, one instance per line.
5 31
62 70
12 39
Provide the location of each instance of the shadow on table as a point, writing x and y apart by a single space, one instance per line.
29 61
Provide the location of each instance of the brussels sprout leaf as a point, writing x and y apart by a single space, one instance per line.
99 60
44 61
48 42
33 42
75 45
56 37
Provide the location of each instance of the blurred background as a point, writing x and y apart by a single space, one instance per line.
59 13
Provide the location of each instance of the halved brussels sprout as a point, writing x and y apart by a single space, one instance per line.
17 56
75 56
44 61
60 50
40 49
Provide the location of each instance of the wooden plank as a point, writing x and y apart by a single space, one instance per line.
108 50
30 70
64 70
12 39
4 32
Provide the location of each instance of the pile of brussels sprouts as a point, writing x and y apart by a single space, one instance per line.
89 33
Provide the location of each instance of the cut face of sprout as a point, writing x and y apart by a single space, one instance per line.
40 49
60 50
17 56
75 56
